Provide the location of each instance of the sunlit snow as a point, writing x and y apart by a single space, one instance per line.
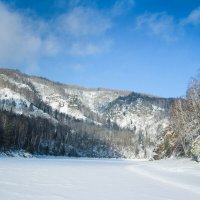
93 179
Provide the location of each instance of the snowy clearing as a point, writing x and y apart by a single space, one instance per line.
93 179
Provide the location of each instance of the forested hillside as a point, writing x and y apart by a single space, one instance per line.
49 118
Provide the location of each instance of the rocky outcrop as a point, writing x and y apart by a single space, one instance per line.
165 145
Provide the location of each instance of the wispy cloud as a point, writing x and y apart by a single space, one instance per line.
193 18
84 21
164 26
157 24
20 41
81 31
122 6
89 49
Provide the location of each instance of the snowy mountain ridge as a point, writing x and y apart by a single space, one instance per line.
130 117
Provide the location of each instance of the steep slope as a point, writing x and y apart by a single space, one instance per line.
146 116
103 122
73 100
139 112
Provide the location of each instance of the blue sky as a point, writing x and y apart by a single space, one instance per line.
137 45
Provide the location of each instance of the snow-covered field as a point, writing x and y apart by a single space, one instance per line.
90 179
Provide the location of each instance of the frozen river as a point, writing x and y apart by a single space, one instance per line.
90 179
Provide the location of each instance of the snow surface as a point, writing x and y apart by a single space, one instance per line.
94 179
11 80
21 105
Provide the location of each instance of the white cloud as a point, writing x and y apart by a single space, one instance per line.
193 18
52 46
25 41
84 21
81 31
89 49
21 39
157 24
122 6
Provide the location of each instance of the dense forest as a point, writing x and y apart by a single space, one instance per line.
39 136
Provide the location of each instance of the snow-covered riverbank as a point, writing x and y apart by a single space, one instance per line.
93 179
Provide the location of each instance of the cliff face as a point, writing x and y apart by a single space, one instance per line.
58 119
